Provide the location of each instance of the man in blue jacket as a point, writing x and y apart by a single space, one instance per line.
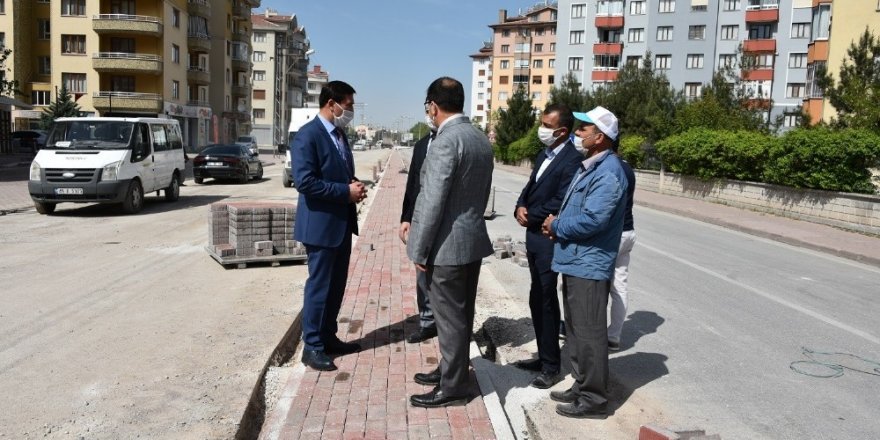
587 234
323 170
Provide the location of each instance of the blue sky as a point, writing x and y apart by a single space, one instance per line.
391 50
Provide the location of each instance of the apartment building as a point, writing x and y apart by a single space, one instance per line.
280 61
828 45
481 86
134 58
317 78
689 40
524 55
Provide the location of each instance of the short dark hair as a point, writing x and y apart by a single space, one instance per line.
566 118
447 93
335 90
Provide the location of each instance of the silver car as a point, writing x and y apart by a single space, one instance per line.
250 142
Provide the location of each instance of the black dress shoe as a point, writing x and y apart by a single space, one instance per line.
432 378
436 399
423 334
339 347
613 346
567 396
318 360
546 380
580 410
529 364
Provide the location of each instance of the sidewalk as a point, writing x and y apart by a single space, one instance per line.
368 397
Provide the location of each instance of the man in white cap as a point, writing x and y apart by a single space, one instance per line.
587 234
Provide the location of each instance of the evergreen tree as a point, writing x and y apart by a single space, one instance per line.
7 87
516 120
63 106
568 93
856 96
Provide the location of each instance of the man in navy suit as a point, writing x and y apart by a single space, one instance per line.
323 170
541 197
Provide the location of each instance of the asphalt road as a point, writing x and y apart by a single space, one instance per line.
719 322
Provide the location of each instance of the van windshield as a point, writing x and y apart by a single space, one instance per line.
102 135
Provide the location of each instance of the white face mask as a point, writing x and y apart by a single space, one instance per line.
344 119
545 135
430 122
578 143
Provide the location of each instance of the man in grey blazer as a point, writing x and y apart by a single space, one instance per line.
448 237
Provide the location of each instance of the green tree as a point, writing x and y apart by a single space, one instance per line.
63 106
569 93
856 96
516 120
722 105
419 130
7 87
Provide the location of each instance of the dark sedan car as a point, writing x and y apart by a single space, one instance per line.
227 162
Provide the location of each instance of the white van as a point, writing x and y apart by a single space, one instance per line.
108 160
298 118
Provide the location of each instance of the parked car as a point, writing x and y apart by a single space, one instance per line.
28 141
250 142
221 161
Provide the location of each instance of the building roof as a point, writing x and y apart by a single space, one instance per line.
523 20
484 52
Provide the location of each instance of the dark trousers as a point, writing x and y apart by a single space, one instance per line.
453 293
585 303
544 306
426 315
328 273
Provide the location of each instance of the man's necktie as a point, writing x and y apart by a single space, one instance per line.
340 145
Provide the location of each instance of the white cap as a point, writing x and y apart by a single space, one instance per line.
603 119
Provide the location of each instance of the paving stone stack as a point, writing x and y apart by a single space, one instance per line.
253 229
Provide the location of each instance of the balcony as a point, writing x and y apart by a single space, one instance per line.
817 51
241 9
121 62
202 8
127 24
760 74
762 15
604 75
198 75
241 36
198 41
240 116
609 21
761 45
148 103
241 89
607 48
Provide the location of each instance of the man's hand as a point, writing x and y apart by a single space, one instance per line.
546 229
522 216
357 192
421 267
404 231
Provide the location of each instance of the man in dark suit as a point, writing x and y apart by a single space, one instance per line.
541 197
448 237
427 326
325 219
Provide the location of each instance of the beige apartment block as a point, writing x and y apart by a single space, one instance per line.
523 55
317 78
281 57
829 44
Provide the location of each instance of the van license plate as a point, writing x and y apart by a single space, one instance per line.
215 164
69 191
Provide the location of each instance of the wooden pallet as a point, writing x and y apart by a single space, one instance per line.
243 262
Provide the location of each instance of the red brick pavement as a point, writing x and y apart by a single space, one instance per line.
368 397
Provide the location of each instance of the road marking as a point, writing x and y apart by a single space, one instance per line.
766 295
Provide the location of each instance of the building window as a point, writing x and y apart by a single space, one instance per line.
795 90
609 7
537 79
662 62
539 32
2 6
813 90
505 33
504 64
259 75
730 32
761 61
538 64
481 84
637 8
259 113
731 5
551 63
577 11
552 47
175 18
175 54
791 120
636 35
502 96
259 37
73 44
634 60
505 48
697 32
797 61
481 96
757 89
522 47
551 79
43 32
727 60
40 97
125 7
259 56
539 47
520 79
259 94
175 89
666 6
821 21
503 79
576 37
664 33
693 90
45 65
536 96
760 32
800 30
124 45
521 64
695 61
75 82
72 8
575 63
606 62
